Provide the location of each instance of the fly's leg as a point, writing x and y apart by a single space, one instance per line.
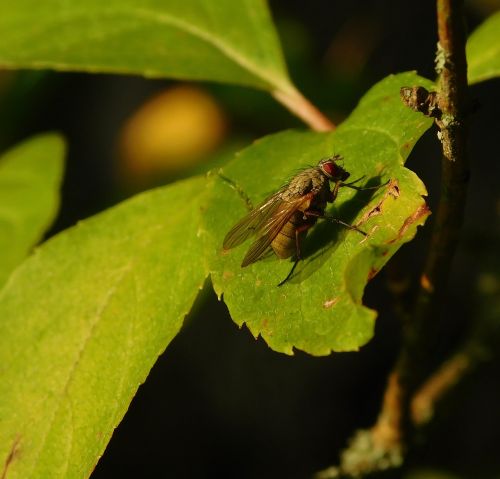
354 181
305 227
334 220
289 274
298 256
339 184
334 192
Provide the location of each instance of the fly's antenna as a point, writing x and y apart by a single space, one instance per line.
338 158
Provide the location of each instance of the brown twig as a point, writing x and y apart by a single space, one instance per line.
393 429
437 386
452 102
420 332
479 348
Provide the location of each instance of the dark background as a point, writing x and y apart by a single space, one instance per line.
219 403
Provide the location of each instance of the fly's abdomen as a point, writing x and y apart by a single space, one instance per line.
284 245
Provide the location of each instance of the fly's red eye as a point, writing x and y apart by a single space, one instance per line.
329 167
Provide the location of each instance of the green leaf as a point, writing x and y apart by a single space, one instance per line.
30 176
319 309
85 317
83 321
483 50
220 40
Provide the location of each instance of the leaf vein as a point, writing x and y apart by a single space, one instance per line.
219 44
93 324
271 78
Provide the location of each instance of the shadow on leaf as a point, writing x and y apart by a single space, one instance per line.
326 237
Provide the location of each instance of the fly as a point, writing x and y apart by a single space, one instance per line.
281 222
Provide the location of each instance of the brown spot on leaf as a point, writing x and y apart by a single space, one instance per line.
391 190
329 303
227 274
266 328
13 453
373 212
372 273
421 212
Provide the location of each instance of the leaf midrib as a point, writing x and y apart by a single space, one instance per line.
273 80
219 44
71 374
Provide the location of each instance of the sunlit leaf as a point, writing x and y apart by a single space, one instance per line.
319 309
483 50
220 40
30 176
83 321
85 317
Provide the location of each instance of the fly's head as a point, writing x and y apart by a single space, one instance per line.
332 170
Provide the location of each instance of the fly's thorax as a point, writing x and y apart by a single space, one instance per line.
311 180
321 198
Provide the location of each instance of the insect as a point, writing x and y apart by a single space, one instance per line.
281 222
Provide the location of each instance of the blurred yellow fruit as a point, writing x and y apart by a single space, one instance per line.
174 130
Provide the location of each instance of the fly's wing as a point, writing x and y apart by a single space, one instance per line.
271 229
253 222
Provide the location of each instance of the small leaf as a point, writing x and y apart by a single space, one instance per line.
220 40
30 176
83 321
319 309
483 50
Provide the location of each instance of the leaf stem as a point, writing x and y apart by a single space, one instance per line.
301 107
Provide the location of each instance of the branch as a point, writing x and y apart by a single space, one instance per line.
480 347
452 101
420 332
391 434
438 385
301 107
